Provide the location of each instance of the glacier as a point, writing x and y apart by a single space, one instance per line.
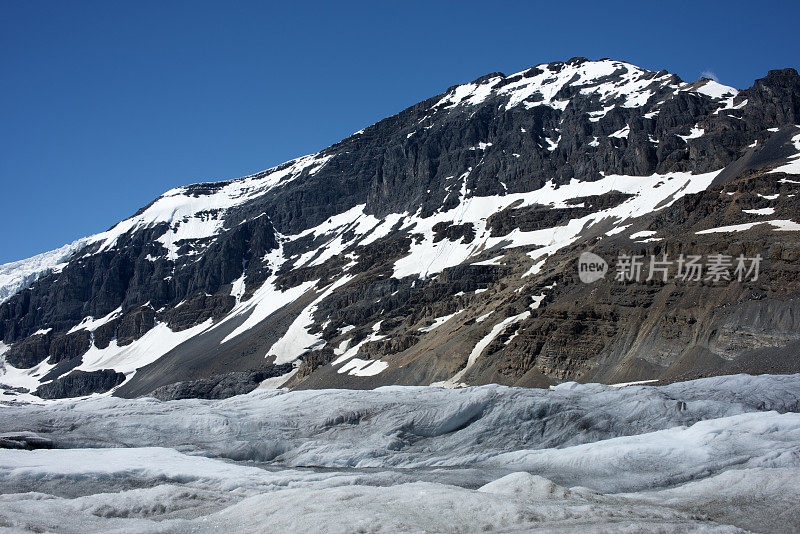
718 454
18 275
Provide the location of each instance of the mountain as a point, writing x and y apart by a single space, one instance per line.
442 246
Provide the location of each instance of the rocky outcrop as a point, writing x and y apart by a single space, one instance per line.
464 232
59 347
536 217
219 387
29 351
80 383
775 98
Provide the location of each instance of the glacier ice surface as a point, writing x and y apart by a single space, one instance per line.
713 455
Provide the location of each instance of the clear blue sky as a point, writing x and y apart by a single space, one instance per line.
105 105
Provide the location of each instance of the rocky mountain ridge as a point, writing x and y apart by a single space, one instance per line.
438 246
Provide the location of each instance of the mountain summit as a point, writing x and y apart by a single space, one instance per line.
441 246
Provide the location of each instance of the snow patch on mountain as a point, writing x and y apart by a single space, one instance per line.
91 324
297 339
429 257
540 85
439 321
155 343
359 367
793 167
715 90
777 224
193 214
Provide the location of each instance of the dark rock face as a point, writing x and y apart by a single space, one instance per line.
532 218
79 383
30 351
60 347
135 324
776 98
24 440
68 346
393 345
313 360
468 278
197 310
580 122
221 386
454 232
